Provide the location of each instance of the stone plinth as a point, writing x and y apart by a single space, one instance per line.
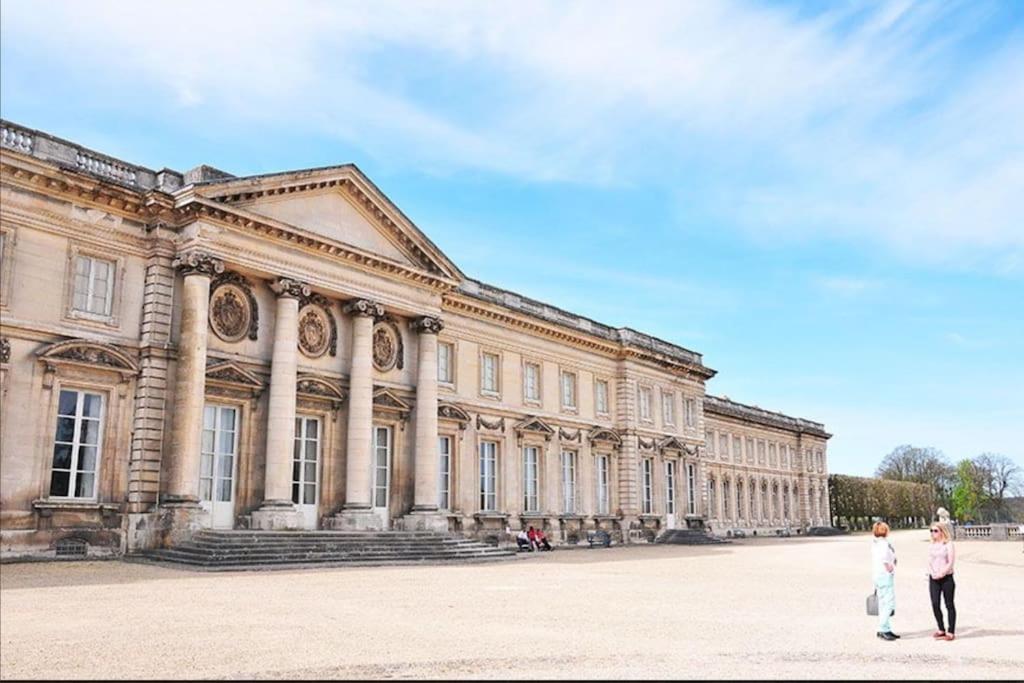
277 517
424 521
181 521
354 520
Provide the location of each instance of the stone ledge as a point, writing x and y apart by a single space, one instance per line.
46 507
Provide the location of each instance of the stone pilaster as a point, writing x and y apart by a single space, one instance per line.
277 510
425 515
356 513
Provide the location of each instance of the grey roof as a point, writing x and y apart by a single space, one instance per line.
729 408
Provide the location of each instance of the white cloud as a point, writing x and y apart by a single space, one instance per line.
859 121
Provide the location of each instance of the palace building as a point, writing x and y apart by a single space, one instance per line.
181 351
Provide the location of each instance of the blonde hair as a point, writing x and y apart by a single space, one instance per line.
880 529
943 532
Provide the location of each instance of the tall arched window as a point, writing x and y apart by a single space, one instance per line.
726 500
753 500
785 503
765 504
740 500
711 498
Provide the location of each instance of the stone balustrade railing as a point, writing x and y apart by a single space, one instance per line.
106 167
988 532
13 138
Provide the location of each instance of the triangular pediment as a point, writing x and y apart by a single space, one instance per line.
230 372
340 204
536 426
672 444
385 398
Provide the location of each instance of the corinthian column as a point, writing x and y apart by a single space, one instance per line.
360 415
277 511
182 485
425 515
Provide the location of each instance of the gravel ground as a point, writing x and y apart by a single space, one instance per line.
758 608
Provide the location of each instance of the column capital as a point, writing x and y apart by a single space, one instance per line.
287 288
198 263
427 325
363 308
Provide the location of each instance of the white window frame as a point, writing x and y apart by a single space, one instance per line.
376 468
537 391
668 408
446 348
569 469
569 380
670 487
301 439
531 478
644 398
647 485
76 444
488 488
445 444
601 407
484 389
691 489
214 477
602 465
109 318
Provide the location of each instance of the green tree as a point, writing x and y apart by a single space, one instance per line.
968 491
921 465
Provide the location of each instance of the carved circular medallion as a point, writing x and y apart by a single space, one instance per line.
385 347
314 331
229 313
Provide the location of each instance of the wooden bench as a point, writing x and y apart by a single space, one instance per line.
599 537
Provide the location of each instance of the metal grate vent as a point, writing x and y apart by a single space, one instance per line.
72 547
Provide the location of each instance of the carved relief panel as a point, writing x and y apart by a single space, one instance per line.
234 314
388 349
318 331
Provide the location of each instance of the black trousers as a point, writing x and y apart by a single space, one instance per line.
946 587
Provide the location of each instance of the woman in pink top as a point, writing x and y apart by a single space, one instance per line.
941 556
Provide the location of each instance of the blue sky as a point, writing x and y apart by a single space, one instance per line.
825 199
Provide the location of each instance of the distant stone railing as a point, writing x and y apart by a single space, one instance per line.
988 532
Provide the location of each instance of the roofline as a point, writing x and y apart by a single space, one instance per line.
735 409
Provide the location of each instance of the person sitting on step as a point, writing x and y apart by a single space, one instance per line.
542 540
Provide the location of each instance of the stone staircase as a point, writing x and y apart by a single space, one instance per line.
245 550
689 537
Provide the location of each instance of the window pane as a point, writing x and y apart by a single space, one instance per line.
296 470
90 432
209 417
223 490
206 489
92 404
82 266
298 428
65 429
227 419
227 443
59 483
311 450
225 464
313 429
297 449
62 456
310 498
84 485
87 459
206 465
67 403
310 472
295 493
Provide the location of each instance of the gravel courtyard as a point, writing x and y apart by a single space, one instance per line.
767 608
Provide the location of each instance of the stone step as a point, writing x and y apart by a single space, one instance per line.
689 537
185 557
306 565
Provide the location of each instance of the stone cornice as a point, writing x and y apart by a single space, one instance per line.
727 408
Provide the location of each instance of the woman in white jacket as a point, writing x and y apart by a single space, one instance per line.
883 572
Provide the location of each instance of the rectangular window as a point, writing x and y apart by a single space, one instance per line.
305 459
77 444
645 403
217 453
723 446
445 356
712 510
531 479
93 287
531 382
670 487
760 452
750 451
736 447
691 489
568 389
602 485
668 408
601 396
489 373
444 457
709 443
647 479
569 482
381 466
488 476
772 455
691 413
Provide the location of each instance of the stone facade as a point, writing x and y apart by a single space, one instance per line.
191 350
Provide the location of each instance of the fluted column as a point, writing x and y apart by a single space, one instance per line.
186 428
426 465
360 405
283 372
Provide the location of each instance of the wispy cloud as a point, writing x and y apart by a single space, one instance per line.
867 122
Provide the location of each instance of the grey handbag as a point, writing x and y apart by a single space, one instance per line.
872 604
